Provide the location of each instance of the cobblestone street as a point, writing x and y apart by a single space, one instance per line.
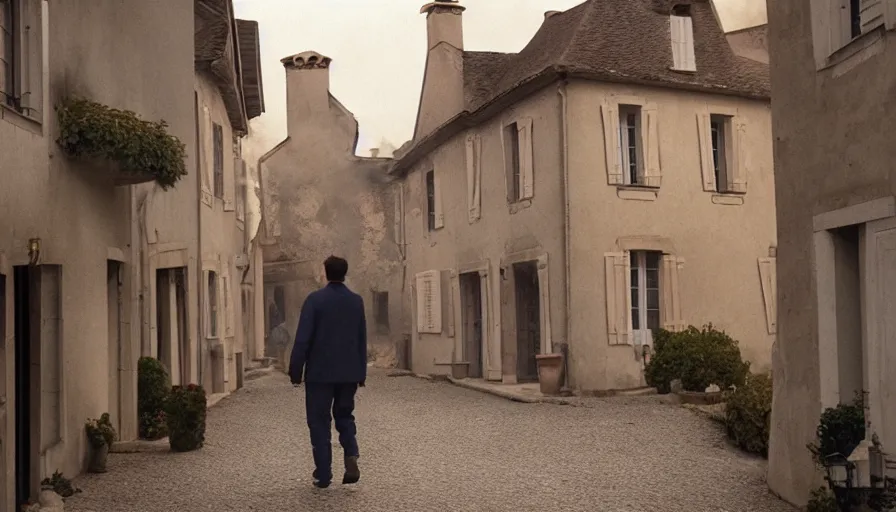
429 446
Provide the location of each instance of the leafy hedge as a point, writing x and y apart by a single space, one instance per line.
699 357
748 414
840 430
89 129
153 386
185 410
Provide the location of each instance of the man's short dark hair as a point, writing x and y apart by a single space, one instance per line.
336 268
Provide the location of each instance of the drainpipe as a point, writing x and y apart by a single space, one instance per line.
564 130
200 361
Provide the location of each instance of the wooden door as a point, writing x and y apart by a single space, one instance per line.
880 280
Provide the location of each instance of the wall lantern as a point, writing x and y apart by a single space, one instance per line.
34 252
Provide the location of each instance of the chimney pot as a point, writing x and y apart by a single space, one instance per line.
374 152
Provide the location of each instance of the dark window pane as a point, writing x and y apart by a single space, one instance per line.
653 299
636 319
653 319
635 301
653 278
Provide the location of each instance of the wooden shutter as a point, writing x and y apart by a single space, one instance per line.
398 216
671 293
650 135
227 302
768 278
207 153
737 178
437 200
474 177
544 305
429 302
682 31
618 297
450 309
610 113
229 186
527 166
704 136
872 14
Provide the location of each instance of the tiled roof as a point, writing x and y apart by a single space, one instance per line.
618 40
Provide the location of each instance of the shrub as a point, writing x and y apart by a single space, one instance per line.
59 484
840 430
100 432
90 129
153 385
821 500
185 410
748 414
699 357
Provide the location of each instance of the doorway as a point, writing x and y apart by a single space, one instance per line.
528 320
171 322
25 429
471 320
113 308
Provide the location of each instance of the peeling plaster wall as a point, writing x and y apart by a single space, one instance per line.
321 199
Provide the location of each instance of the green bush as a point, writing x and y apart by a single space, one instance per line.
840 430
748 413
185 411
699 357
153 385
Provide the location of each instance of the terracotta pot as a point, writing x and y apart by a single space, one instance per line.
97 456
550 373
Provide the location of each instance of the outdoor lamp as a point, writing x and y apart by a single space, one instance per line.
839 470
34 251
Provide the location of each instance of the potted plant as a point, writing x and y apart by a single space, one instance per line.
185 411
100 436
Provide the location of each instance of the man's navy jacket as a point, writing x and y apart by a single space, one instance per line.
331 340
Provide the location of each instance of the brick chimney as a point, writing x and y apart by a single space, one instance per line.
307 87
443 89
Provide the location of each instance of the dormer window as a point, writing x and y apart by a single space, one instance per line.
682 29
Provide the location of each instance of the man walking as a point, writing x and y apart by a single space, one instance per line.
331 351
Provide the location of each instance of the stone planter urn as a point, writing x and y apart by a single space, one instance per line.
460 370
97 457
550 373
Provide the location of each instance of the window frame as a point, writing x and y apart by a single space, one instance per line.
430 185
640 289
839 31
212 306
682 48
27 33
218 160
721 124
380 303
513 166
626 149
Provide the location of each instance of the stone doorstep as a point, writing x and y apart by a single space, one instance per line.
158 445
514 392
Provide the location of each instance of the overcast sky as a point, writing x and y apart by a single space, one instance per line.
378 52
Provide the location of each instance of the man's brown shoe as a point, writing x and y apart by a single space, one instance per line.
352 472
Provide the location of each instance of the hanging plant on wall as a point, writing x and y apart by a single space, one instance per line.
141 150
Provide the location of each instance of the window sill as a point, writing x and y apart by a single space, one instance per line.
683 71
519 206
635 193
20 120
728 199
855 52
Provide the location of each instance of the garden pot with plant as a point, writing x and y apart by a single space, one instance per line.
100 436
185 411
550 373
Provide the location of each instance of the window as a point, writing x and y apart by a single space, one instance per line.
723 164
720 127
474 177
518 160
212 304
645 290
20 42
682 30
630 154
855 18
381 312
218 141
837 22
242 192
228 308
431 200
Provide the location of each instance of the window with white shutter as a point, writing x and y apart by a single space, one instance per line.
836 23
723 158
519 160
474 177
227 303
429 302
206 155
21 39
681 28
618 298
218 159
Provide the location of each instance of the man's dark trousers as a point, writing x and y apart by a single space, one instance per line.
320 400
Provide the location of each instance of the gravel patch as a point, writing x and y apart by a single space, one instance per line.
430 446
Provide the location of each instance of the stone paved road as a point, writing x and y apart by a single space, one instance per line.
434 447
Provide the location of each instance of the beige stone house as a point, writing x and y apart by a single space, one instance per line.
92 263
611 178
834 80
319 198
